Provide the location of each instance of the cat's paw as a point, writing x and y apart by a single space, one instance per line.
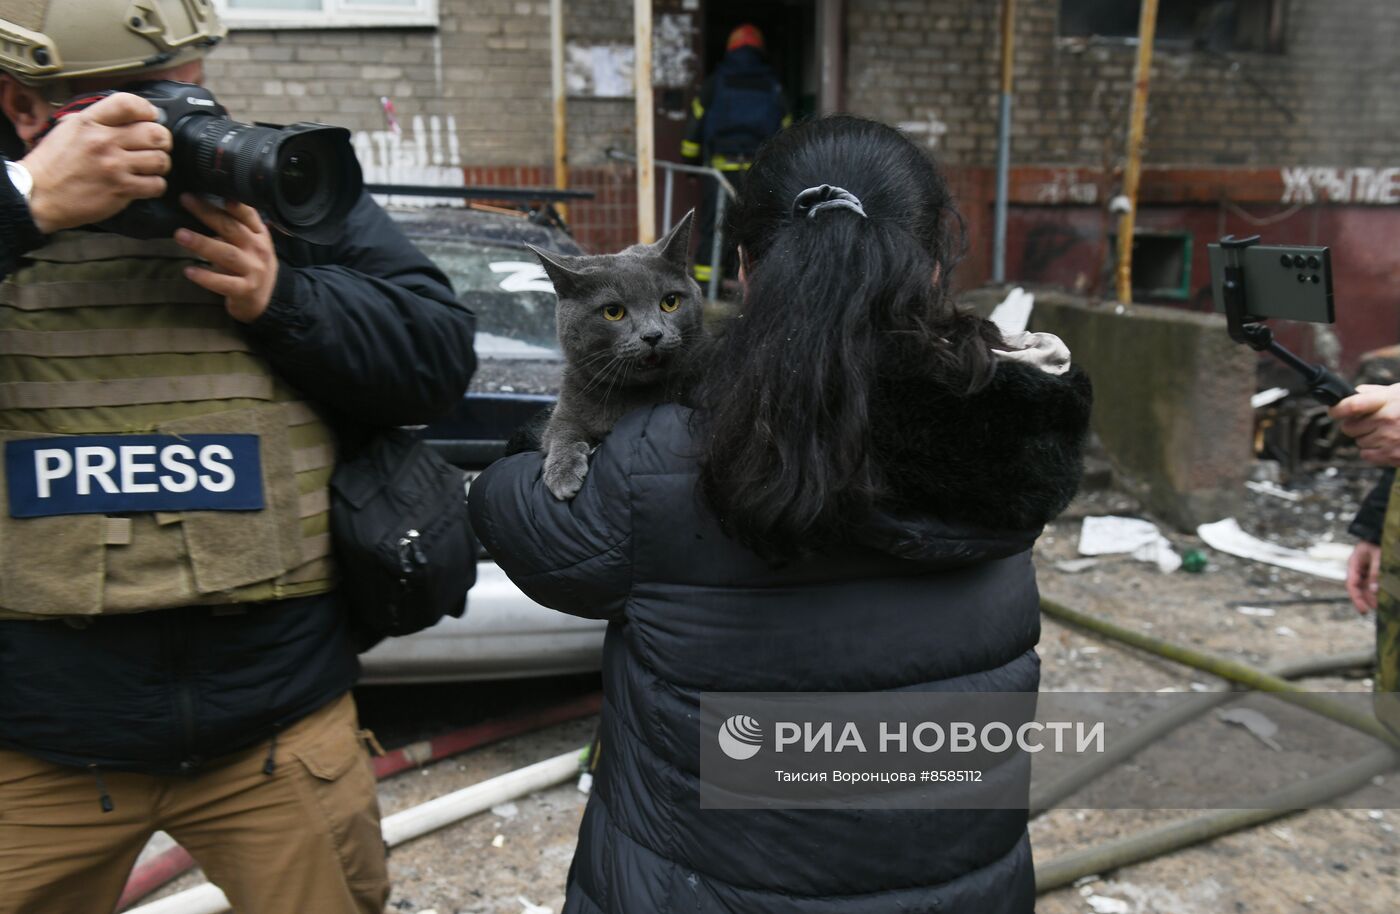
565 468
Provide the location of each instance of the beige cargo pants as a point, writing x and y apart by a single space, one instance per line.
304 839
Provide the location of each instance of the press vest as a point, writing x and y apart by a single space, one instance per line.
152 460
1388 617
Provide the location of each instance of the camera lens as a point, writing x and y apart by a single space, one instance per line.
299 177
304 178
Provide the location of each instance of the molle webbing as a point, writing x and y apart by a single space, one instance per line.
101 334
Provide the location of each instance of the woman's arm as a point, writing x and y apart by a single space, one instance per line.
574 556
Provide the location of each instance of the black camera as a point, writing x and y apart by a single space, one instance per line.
303 178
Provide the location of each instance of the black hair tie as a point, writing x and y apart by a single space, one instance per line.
815 199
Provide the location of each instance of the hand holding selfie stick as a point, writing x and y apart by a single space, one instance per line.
1325 385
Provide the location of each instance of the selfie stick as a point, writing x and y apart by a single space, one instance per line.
1324 385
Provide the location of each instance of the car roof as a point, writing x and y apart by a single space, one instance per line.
451 223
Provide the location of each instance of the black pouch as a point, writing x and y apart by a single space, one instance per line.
403 544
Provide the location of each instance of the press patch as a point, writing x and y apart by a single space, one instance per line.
121 474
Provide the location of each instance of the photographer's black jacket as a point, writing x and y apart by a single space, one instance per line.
369 329
937 594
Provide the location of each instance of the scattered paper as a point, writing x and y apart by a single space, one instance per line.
1013 315
1265 397
1131 536
1102 904
1324 560
498 841
1074 566
1255 610
1285 631
505 810
529 907
1274 489
1257 724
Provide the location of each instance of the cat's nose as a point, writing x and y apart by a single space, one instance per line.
651 337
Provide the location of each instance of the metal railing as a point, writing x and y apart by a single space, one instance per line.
723 192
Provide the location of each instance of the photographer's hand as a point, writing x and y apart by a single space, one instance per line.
243 256
95 162
1372 418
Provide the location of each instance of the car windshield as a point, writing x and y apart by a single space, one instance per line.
508 290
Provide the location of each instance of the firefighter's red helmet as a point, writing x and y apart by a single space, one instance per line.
745 36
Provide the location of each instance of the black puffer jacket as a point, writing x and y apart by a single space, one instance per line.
930 596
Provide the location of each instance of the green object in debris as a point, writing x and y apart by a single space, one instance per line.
1194 561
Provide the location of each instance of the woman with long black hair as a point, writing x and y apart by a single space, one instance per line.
850 506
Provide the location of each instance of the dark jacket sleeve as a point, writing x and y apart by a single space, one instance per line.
1370 520
18 233
574 556
368 326
693 143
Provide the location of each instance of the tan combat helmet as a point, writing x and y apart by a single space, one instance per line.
42 41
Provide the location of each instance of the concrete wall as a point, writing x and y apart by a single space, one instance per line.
1171 402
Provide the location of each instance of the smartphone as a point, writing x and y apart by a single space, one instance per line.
1287 281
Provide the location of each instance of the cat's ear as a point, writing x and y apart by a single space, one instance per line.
675 247
563 271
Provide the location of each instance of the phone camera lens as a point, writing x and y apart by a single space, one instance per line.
1299 261
1313 262
1302 277
1316 279
1286 260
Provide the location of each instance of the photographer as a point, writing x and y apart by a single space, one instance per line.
183 667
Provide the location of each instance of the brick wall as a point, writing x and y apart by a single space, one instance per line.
933 65
474 93
472 98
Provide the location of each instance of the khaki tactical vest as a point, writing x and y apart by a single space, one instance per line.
102 335
1387 699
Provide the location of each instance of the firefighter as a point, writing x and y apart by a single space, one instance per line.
739 107
175 653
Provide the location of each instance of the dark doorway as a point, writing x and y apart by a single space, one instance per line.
790 30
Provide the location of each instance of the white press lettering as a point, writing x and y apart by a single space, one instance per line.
50 464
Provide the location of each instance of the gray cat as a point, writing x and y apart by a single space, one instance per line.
626 324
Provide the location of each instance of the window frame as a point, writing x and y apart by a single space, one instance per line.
334 14
1273 43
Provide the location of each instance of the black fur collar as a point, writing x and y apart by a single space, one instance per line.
1008 457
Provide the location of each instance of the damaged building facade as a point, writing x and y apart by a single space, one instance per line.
1276 117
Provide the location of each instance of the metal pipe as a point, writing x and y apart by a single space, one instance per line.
717 246
1132 170
561 125
1149 731
646 129
1225 668
666 201
1164 839
1008 61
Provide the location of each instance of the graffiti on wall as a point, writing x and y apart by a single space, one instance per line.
426 153
930 129
1341 185
1067 185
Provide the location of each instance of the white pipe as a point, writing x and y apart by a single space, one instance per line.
409 824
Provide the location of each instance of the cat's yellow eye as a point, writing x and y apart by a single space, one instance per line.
671 302
614 312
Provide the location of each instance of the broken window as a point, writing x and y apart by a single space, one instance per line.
1213 25
1161 264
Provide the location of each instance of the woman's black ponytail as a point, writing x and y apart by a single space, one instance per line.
835 300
